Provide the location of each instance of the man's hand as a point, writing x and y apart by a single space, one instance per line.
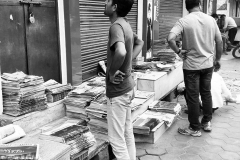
217 65
117 78
183 54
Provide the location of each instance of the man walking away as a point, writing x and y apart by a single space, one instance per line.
123 46
200 35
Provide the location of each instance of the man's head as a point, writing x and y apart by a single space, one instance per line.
223 16
121 7
190 4
215 16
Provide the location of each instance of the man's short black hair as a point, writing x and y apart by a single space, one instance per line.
123 6
214 15
190 4
222 16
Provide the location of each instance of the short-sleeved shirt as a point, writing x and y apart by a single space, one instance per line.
199 33
229 23
120 31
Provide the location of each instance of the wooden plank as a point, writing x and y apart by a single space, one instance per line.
34 120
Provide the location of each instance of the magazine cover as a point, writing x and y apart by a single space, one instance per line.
19 151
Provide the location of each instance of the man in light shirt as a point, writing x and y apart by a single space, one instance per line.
200 37
230 26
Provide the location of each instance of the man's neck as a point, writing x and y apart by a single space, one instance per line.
195 9
113 18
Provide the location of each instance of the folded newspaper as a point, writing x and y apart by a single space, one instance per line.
19 151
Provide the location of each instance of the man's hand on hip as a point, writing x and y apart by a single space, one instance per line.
117 78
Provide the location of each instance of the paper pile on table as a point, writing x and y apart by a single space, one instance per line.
56 91
166 55
22 93
166 107
77 136
150 121
79 98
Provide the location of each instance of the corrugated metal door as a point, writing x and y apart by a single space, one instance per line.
94 27
169 12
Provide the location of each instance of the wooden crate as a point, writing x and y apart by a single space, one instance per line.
153 82
162 83
153 136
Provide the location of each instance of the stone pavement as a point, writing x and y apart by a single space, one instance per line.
223 143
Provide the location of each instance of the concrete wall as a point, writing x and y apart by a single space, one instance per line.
237 20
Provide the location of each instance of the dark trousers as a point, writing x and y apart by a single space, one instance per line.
198 82
231 35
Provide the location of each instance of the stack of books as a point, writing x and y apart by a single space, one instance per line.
22 93
98 108
143 125
166 107
147 122
166 55
77 136
56 91
97 112
79 98
150 121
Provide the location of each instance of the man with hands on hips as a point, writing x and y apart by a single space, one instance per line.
200 38
123 46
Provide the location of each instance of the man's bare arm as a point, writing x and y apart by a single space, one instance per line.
137 47
172 42
118 59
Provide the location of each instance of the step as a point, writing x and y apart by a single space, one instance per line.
161 83
34 120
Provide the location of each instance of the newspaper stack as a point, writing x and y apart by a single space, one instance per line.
77 136
97 112
79 98
166 55
98 107
56 91
22 93
166 107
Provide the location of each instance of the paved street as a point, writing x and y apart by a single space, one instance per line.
223 143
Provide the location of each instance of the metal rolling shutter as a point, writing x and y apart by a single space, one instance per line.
94 27
169 12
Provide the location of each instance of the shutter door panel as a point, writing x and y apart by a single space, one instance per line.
169 12
94 27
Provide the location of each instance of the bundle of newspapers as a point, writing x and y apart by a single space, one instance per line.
80 97
22 93
166 55
97 112
56 91
77 136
